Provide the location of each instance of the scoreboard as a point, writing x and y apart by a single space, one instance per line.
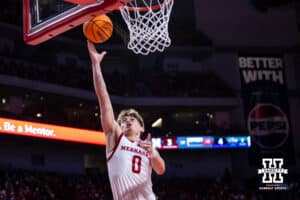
201 142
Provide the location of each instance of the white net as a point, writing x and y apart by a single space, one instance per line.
147 21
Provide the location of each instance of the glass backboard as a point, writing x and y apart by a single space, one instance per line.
45 19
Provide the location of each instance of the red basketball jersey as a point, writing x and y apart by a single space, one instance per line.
129 171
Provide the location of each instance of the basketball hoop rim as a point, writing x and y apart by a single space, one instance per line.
144 9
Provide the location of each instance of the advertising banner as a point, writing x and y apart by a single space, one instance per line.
266 107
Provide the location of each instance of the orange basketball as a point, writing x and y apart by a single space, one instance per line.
99 29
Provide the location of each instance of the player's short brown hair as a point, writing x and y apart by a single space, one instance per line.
130 112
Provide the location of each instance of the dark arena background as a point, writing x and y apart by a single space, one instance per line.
218 102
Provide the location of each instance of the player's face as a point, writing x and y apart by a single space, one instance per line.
131 126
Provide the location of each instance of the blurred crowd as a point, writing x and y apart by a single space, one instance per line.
25 185
43 63
147 84
82 113
11 13
17 60
28 185
65 62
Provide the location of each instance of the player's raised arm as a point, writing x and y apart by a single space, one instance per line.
107 115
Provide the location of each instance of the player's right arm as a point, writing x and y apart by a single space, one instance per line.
110 127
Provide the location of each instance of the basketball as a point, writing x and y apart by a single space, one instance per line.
98 29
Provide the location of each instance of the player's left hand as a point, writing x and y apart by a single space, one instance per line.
96 57
147 145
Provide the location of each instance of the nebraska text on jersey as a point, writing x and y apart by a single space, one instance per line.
135 150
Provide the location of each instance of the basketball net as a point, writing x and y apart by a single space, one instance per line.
147 21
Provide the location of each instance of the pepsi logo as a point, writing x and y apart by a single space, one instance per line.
268 126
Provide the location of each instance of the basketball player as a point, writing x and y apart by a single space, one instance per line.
130 160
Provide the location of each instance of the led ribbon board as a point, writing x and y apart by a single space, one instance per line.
53 132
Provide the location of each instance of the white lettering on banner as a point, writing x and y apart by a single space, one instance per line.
38 131
20 129
9 127
250 76
261 69
260 62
